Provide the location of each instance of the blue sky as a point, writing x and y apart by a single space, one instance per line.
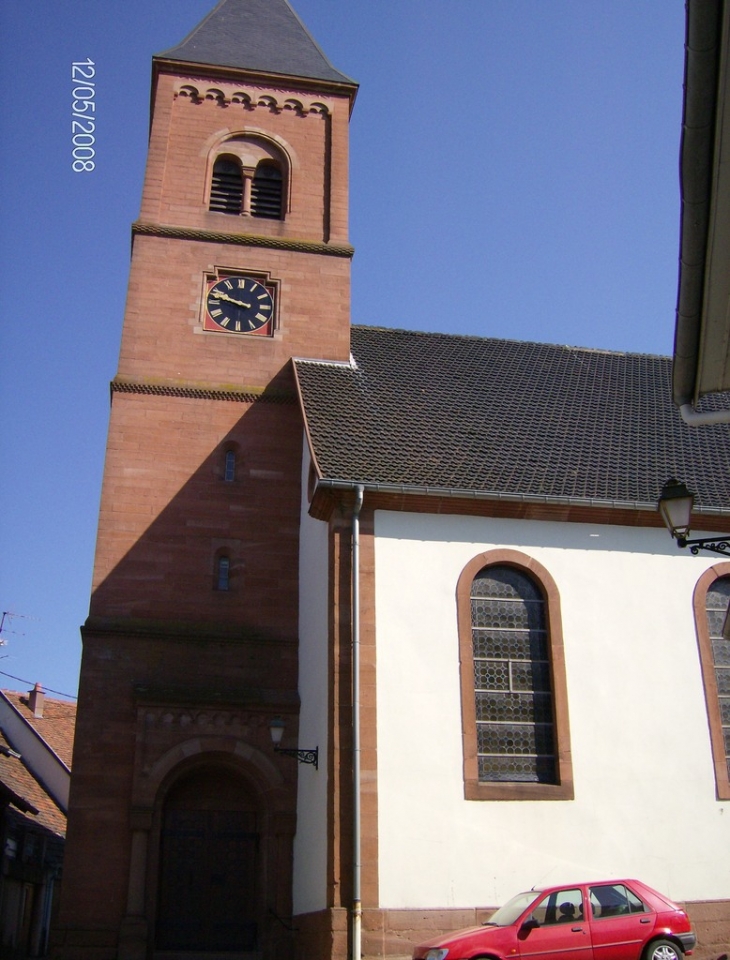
514 173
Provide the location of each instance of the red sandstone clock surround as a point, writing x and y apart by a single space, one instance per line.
238 304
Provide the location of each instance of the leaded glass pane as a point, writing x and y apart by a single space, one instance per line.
725 712
721 653
514 739
517 769
491 675
497 582
510 644
507 614
719 593
723 682
513 701
515 707
531 676
715 622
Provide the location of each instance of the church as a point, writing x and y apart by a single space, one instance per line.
385 626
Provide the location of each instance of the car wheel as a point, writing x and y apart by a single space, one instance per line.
663 950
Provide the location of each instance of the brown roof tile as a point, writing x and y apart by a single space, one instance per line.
56 726
506 418
17 778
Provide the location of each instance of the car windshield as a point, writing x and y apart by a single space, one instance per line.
513 909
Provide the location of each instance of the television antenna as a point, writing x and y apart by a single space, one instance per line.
9 615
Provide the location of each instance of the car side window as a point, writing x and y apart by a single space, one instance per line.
614 900
560 906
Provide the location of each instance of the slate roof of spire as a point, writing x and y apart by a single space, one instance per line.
502 417
264 36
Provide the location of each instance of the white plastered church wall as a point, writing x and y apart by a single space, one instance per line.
644 786
310 843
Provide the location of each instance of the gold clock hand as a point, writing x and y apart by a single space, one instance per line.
224 296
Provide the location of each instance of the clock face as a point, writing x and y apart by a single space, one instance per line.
239 305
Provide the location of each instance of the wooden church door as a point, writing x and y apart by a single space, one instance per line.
208 897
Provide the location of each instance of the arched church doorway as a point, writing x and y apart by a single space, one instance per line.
209 897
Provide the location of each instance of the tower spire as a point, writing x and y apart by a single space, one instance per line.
263 36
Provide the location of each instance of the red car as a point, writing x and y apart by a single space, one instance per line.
610 920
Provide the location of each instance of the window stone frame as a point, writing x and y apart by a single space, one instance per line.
474 789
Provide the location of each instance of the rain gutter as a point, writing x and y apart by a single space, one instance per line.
457 493
702 59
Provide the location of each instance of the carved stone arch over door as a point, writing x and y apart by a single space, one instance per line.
213 824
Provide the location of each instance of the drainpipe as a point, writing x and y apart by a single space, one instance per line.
356 818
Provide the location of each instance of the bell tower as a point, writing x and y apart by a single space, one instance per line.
181 818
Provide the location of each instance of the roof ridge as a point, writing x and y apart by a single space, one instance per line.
507 340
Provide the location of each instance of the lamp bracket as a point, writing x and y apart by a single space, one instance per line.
719 545
303 756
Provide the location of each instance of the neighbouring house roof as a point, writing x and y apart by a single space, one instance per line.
26 794
263 36
19 784
56 726
490 417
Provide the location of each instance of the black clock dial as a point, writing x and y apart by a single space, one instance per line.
239 305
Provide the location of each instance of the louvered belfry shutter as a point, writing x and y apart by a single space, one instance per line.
226 190
266 192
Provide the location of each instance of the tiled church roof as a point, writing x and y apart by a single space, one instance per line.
507 418
265 36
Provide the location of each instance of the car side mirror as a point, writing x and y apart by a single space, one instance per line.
529 924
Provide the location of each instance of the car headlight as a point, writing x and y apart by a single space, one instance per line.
437 954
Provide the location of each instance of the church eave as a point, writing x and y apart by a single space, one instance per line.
331 493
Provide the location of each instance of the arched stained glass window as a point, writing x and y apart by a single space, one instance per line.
715 654
512 687
514 698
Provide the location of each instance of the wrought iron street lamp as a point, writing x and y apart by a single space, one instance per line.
276 728
675 506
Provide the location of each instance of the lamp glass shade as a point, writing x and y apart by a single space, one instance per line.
675 506
276 728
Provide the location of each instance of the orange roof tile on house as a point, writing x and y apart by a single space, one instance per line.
56 726
16 777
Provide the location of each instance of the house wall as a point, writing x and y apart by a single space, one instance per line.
645 802
310 844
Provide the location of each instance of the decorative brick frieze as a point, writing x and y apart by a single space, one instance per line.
252 97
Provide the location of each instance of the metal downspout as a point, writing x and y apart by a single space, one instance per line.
356 817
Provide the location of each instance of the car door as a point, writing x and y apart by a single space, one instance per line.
560 928
620 922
